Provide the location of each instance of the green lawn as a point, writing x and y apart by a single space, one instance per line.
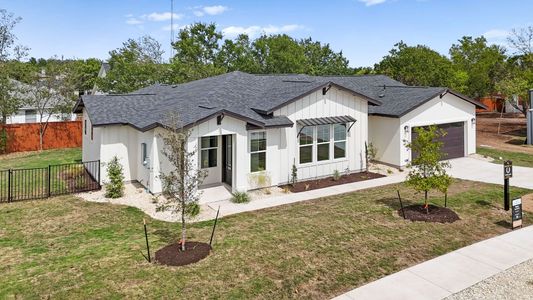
518 158
40 159
67 248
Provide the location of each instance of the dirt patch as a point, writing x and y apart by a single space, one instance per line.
172 255
513 130
437 214
527 203
308 185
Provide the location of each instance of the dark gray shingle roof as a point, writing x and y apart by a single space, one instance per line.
245 96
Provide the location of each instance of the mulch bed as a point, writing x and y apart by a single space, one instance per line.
308 185
172 255
436 214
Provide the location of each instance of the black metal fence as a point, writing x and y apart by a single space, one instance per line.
38 183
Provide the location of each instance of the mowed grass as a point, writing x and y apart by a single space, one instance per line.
40 159
518 158
67 248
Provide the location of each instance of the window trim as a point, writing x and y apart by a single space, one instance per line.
345 141
257 151
207 149
331 142
312 145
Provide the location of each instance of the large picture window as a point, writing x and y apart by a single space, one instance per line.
208 151
339 145
258 151
306 145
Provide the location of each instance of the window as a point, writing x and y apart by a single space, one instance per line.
208 152
306 144
339 145
85 127
92 135
30 116
144 154
322 142
258 151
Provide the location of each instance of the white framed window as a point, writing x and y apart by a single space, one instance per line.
323 139
30 116
258 151
306 140
339 141
208 151
144 154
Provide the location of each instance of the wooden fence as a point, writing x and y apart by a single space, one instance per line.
58 135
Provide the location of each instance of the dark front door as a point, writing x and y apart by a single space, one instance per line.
227 159
453 144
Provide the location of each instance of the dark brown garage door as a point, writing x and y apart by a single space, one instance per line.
453 142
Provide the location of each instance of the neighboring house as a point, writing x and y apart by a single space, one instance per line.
249 126
104 69
29 114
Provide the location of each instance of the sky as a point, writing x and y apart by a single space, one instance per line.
365 30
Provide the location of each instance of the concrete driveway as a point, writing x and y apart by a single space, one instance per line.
478 170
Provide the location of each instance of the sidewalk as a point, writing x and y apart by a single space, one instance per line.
453 272
229 208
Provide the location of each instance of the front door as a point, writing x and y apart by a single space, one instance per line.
227 159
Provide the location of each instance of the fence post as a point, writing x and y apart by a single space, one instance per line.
9 185
99 185
49 179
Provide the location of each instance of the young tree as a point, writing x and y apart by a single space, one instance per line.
115 187
180 184
50 94
427 170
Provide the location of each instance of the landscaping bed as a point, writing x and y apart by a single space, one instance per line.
433 213
65 248
302 186
172 255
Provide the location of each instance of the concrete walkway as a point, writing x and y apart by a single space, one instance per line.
453 272
484 171
229 208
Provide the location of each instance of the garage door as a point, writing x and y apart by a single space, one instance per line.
453 142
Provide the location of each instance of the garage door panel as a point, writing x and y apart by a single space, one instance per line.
453 142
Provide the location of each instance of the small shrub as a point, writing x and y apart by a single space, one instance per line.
240 197
336 175
389 171
286 189
294 174
307 186
267 191
115 187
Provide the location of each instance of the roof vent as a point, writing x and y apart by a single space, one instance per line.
206 106
381 95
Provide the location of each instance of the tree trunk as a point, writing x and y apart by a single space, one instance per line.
183 202
426 201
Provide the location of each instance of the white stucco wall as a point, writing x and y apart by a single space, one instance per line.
335 103
449 109
90 147
384 133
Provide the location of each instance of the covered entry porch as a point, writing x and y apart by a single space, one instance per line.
216 156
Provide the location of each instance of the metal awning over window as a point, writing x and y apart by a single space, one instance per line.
325 121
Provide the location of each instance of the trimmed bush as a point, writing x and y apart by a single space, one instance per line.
115 186
240 197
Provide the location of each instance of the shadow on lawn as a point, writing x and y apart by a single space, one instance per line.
166 235
394 203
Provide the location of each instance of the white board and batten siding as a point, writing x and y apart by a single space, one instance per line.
336 102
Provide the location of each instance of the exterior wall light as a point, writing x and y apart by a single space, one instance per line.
473 121
406 129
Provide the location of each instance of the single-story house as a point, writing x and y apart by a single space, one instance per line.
249 130
28 113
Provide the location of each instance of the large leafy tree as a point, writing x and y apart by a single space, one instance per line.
482 64
238 55
320 59
136 64
279 54
197 49
416 65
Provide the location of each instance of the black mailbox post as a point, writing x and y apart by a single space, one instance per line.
507 173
